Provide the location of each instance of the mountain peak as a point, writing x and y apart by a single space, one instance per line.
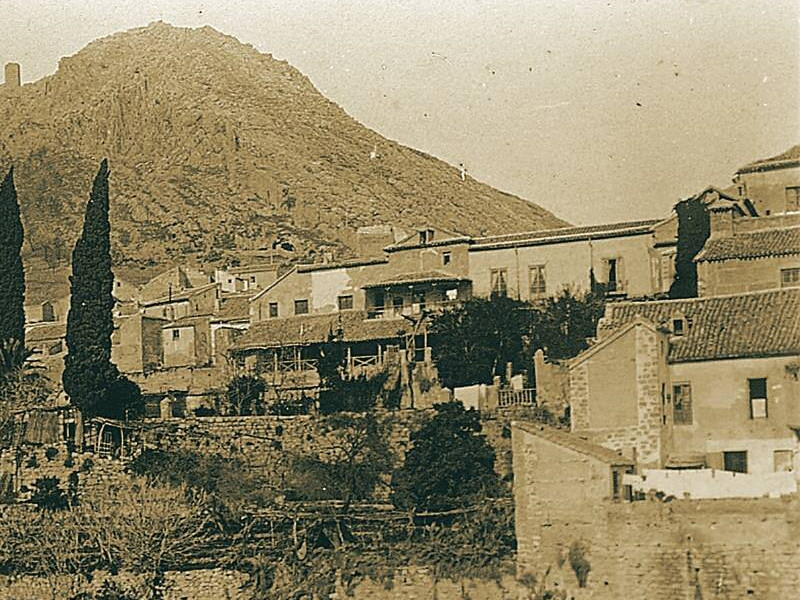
215 147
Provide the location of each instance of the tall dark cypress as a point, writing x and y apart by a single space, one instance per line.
12 276
88 371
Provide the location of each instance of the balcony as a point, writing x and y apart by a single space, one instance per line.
414 310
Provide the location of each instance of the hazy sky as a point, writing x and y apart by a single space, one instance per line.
596 110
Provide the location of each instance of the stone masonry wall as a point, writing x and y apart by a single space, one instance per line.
217 584
679 550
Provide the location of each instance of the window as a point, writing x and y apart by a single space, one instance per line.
252 279
397 303
792 198
176 334
499 281
538 284
426 236
301 307
446 257
758 398
783 460
790 277
682 404
273 310
418 300
678 326
613 269
346 302
620 491
735 461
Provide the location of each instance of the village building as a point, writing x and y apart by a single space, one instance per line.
538 264
247 278
691 383
284 351
136 343
772 184
746 254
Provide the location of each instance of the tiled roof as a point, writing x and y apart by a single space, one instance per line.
234 308
416 277
789 158
46 331
752 244
573 442
180 295
756 324
351 263
313 329
564 234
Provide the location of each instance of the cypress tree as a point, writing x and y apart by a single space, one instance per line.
12 276
89 374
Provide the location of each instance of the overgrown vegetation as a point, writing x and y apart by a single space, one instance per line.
473 342
349 465
245 395
342 392
449 465
226 480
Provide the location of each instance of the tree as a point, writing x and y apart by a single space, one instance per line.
244 395
449 465
12 276
90 378
473 342
562 325
353 457
694 228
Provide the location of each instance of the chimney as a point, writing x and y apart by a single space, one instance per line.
12 75
722 221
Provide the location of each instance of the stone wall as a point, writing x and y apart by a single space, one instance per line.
683 550
217 584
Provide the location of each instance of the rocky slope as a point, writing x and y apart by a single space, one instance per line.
215 146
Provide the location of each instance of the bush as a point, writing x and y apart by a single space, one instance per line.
449 465
245 395
48 495
286 407
228 480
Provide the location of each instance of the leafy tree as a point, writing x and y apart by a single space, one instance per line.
473 342
562 325
90 378
12 276
244 395
449 465
352 459
694 228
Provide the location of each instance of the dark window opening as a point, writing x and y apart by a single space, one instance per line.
273 310
735 461
301 307
499 282
345 302
758 398
682 404
446 257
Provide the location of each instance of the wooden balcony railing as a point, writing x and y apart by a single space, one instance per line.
510 398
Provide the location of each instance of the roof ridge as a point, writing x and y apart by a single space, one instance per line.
705 298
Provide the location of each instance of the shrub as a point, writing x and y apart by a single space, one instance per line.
48 495
51 453
449 465
286 407
579 562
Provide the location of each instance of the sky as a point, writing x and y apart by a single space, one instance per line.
597 110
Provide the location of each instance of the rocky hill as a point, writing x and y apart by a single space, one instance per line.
215 146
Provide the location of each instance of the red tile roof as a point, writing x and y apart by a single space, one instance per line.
313 329
756 324
752 244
